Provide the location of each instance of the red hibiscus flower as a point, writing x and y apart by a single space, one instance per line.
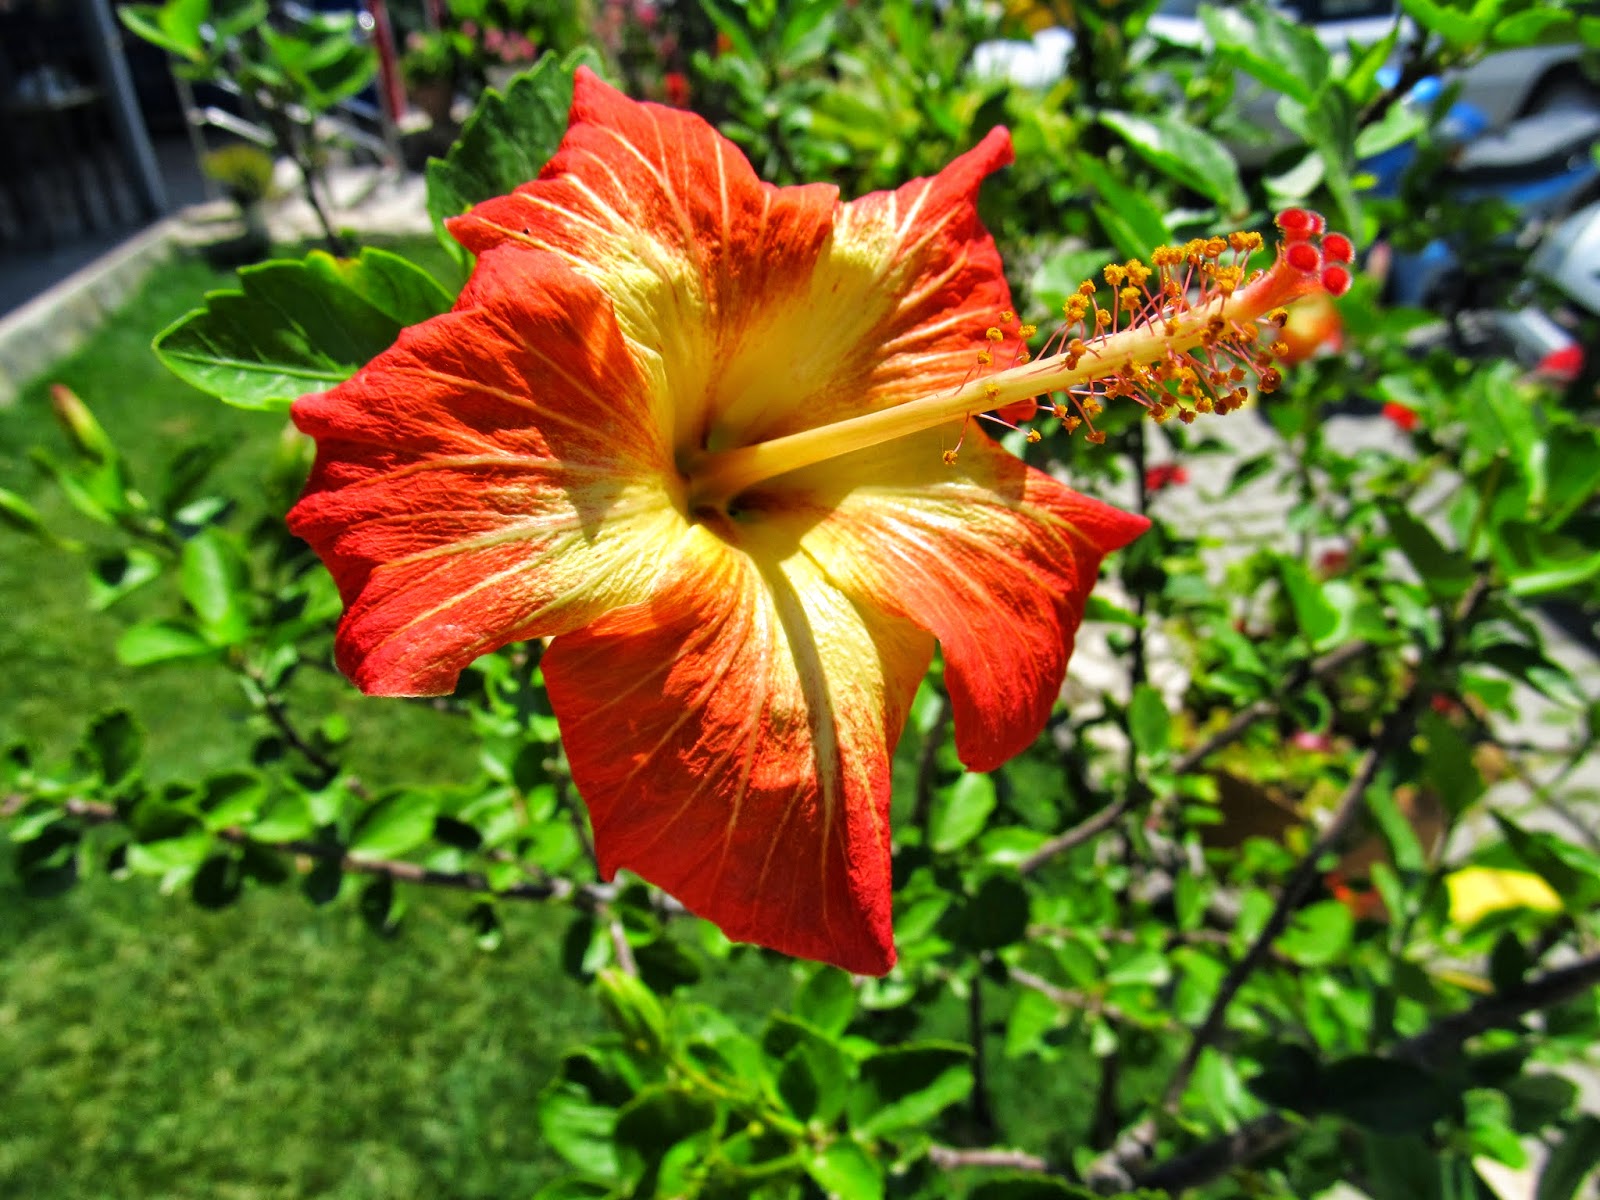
698 431
1405 418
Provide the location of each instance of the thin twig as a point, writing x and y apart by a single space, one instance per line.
949 1158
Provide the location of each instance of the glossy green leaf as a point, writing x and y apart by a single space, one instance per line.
1453 22
1285 56
1446 573
161 641
845 1170
959 812
1318 935
394 825
1149 722
1316 617
907 1086
504 144
1189 155
214 578
114 576
298 327
827 1001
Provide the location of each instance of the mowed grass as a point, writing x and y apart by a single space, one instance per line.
149 1048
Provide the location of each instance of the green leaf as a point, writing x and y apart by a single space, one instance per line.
1572 1159
22 516
394 825
1149 723
1448 764
1457 27
827 1001
1187 154
1285 56
1319 934
1446 573
115 744
504 144
285 818
169 854
1537 561
1130 218
1316 617
907 1086
847 1171
1147 967
114 576
214 579
578 1129
960 811
173 27
298 327
1386 1096
633 1010
1572 872
161 641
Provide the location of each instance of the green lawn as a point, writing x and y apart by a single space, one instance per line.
151 1049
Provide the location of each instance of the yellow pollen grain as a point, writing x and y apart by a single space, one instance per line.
1033 437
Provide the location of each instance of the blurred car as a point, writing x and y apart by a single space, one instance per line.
1502 86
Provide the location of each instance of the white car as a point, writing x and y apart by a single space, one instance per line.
1501 86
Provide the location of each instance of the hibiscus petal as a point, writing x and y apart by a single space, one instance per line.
760 310
732 741
499 474
992 557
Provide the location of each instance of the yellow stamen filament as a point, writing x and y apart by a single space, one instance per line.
1142 360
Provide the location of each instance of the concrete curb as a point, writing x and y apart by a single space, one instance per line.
40 333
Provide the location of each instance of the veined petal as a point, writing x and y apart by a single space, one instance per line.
732 738
670 219
498 474
992 557
759 310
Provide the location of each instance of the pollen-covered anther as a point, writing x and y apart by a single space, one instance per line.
1070 424
991 391
1138 273
1131 299
993 334
1026 331
1116 276
985 359
1269 379
949 457
1007 316
1034 437
1096 436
